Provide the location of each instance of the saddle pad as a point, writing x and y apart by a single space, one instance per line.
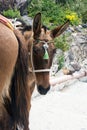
6 22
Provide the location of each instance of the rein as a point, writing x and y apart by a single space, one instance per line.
45 57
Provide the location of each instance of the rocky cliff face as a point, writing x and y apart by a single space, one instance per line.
6 4
77 54
19 4
75 58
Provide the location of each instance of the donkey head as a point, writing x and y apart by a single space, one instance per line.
43 51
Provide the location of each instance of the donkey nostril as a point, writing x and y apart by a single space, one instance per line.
43 90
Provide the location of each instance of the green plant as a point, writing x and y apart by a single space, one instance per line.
55 14
78 6
84 17
11 13
60 62
52 14
61 42
72 17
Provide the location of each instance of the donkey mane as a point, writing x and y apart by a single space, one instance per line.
26 27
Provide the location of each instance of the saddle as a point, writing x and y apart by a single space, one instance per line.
6 22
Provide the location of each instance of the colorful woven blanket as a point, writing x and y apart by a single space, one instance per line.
6 22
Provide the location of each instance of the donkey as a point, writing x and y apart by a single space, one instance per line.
41 41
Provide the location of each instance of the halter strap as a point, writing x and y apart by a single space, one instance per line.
40 71
32 70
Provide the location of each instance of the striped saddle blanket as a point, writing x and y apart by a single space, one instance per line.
6 22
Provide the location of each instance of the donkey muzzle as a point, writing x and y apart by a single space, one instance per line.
43 90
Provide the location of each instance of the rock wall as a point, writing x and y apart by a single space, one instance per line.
77 54
6 4
19 4
75 58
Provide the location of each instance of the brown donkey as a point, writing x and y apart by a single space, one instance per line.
41 40
13 81
24 58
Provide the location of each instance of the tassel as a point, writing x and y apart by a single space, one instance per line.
46 56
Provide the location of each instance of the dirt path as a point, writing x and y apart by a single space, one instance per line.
60 110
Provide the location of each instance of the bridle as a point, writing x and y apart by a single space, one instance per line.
45 46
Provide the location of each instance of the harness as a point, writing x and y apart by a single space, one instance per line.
45 57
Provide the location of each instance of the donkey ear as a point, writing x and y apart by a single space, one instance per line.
37 25
59 30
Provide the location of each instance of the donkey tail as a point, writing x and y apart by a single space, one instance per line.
17 105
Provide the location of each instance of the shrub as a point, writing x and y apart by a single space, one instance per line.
84 17
52 13
79 7
11 13
61 42
72 17
55 14
60 62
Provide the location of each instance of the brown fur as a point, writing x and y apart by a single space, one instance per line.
14 72
41 33
16 81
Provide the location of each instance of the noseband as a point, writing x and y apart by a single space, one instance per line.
45 57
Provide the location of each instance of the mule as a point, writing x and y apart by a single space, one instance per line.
43 50
23 57
13 81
